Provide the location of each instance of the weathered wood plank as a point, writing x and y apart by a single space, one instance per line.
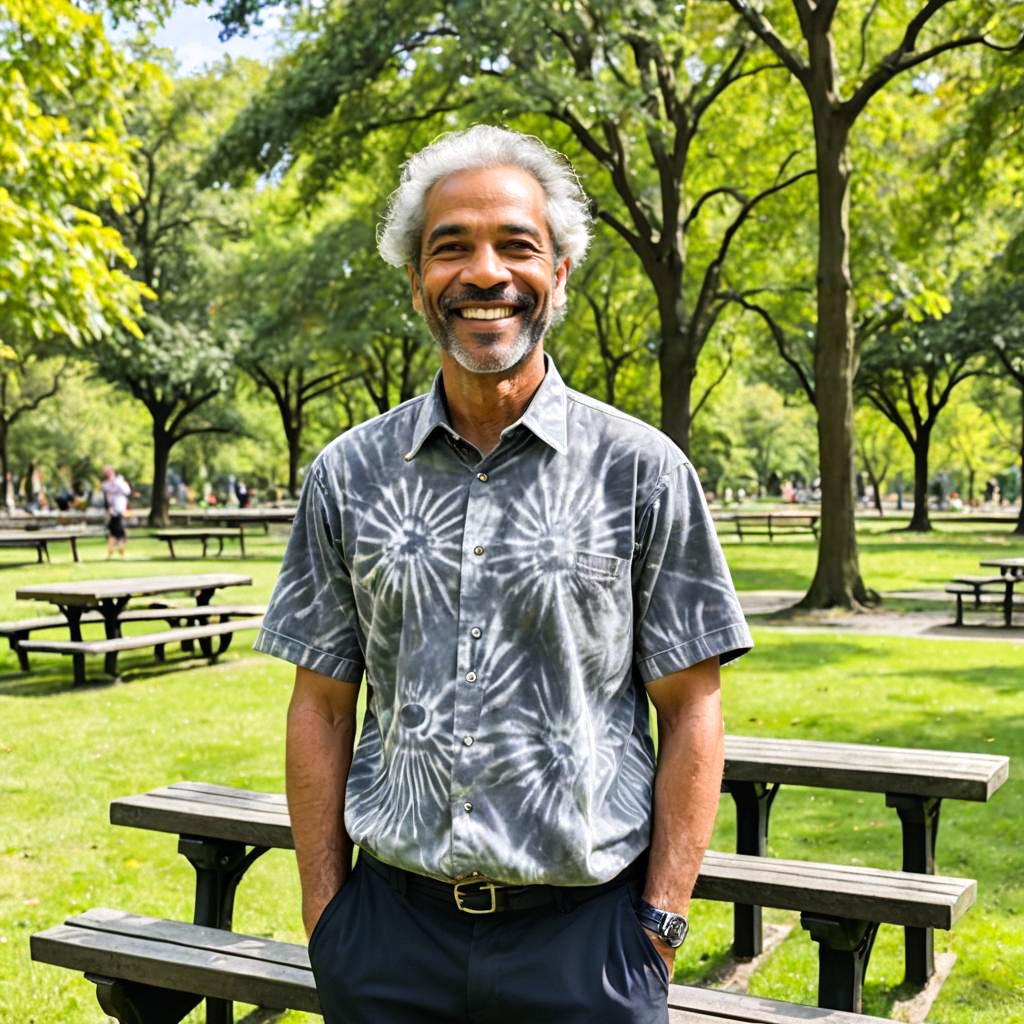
238 824
865 768
207 961
866 894
91 592
131 643
699 1005
174 966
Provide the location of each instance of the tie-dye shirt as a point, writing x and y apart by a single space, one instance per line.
507 612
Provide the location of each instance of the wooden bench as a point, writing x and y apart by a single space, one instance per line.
987 591
840 906
772 523
913 781
20 630
41 539
204 535
146 969
159 641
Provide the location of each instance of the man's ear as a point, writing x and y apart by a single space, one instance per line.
414 285
561 280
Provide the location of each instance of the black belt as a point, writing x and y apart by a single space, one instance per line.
482 896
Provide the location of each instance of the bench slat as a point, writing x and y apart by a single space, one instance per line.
692 1005
185 534
866 894
130 643
170 965
237 824
250 969
933 773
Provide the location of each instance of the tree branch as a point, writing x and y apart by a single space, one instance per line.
763 30
781 342
711 387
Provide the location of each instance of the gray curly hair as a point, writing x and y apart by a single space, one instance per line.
483 145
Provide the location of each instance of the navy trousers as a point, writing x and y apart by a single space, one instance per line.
381 957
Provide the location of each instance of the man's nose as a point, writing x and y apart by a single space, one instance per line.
485 268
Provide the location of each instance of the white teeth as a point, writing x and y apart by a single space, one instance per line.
499 313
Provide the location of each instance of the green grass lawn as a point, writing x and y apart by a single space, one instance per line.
890 557
64 754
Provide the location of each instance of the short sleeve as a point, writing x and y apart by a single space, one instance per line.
311 620
685 605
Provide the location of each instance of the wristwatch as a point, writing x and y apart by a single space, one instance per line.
670 928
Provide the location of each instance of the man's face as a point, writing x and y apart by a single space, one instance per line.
488 283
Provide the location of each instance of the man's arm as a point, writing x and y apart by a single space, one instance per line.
686 784
320 736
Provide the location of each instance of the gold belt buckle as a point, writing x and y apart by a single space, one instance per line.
459 896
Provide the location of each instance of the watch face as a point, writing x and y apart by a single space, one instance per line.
674 930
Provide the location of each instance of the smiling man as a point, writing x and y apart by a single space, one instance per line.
515 568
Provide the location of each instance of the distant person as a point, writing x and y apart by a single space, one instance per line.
242 494
115 493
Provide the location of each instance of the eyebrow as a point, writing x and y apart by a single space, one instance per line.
460 231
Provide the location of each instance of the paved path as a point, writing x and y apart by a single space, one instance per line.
877 622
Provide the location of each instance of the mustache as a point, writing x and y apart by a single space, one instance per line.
499 293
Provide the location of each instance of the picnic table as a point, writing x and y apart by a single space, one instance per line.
222 831
109 597
237 517
1007 566
41 539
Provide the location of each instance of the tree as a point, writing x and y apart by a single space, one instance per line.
184 360
922 36
970 438
877 441
64 152
1003 301
25 383
629 89
908 374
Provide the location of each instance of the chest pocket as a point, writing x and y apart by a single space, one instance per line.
591 566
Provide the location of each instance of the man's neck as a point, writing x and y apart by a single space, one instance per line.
482 405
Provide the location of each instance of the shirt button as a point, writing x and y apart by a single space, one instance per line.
467 807
407 456
476 632
479 549
467 741
482 477
470 677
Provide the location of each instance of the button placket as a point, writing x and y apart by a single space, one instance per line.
473 597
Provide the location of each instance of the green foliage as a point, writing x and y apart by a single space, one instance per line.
63 153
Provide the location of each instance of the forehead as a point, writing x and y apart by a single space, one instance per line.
485 199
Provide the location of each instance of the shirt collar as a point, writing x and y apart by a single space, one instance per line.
545 416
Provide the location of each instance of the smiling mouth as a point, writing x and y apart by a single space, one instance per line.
481 313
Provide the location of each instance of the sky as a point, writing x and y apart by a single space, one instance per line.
193 37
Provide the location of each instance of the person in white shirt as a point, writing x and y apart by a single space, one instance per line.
116 492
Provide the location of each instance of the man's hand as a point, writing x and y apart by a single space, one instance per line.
313 906
667 953
321 730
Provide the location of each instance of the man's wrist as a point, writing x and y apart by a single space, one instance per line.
668 928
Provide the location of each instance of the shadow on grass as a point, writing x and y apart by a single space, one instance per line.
56 680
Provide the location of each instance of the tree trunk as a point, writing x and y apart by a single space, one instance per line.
162 443
293 436
837 580
677 359
919 520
